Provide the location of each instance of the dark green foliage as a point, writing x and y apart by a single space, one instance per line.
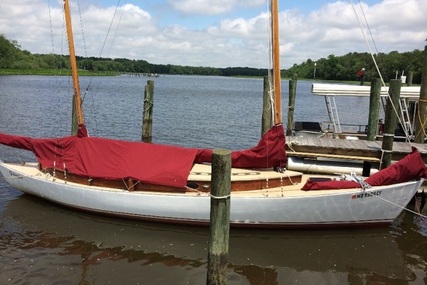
15 60
345 67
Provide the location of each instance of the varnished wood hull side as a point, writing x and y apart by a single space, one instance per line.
203 184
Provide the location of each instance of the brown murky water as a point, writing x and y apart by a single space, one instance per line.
41 243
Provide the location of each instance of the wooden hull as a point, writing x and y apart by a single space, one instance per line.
279 207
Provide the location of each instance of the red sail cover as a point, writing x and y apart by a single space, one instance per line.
411 167
149 163
270 152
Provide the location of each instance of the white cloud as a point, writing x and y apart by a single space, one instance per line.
233 41
211 7
335 29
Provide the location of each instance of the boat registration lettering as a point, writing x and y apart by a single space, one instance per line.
15 175
366 194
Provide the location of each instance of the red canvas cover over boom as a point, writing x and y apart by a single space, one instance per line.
150 163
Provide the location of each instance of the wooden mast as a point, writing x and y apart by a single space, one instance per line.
276 61
77 102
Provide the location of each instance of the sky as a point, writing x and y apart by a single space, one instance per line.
216 33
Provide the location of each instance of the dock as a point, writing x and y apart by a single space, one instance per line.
362 150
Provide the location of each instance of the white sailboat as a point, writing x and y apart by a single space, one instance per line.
172 184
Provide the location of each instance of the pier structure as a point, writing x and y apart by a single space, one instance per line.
341 149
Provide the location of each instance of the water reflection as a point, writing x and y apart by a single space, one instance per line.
40 240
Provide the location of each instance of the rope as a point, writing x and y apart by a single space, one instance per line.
195 190
288 176
130 186
149 105
360 180
289 144
417 207
422 123
212 196
394 204
382 158
220 197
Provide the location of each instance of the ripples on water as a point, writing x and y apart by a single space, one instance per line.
214 112
42 243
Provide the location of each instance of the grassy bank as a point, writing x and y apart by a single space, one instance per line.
53 72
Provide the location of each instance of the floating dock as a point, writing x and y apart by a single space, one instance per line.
361 150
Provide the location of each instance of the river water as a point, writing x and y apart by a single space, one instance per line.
41 243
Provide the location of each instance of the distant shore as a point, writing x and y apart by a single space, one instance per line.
54 72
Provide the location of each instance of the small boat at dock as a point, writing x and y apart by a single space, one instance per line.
171 184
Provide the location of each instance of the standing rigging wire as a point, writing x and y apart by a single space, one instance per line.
84 46
59 64
366 41
405 129
118 25
81 27
368 27
109 28
104 43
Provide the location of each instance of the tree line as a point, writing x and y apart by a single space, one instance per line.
339 68
15 60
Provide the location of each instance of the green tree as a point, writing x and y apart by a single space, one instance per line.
9 51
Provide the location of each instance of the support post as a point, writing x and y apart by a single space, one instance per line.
219 218
147 116
421 120
267 107
74 119
291 105
390 121
374 105
409 78
373 122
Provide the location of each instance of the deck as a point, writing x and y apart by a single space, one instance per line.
348 149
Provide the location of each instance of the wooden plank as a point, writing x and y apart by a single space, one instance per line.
358 148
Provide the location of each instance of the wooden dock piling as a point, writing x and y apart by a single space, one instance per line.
219 218
147 121
374 105
291 105
390 121
410 78
267 117
421 120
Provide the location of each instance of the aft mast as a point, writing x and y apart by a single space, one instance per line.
77 116
276 61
